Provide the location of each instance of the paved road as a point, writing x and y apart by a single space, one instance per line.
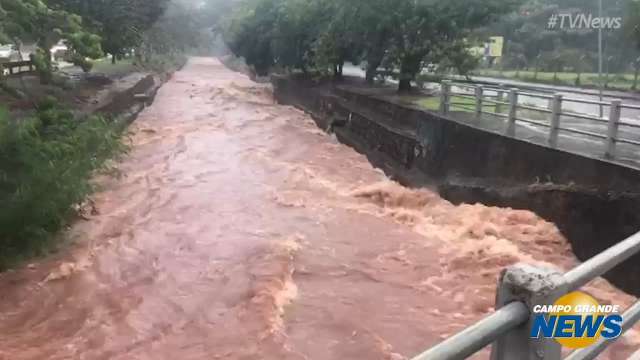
627 154
238 230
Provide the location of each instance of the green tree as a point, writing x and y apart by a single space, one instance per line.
34 19
249 33
375 27
178 31
632 32
120 23
340 41
326 33
459 57
427 27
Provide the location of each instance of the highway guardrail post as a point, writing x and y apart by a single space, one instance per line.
532 286
479 95
445 96
500 98
612 133
556 110
513 112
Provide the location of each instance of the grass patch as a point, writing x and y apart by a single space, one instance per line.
125 66
616 81
468 105
46 162
119 69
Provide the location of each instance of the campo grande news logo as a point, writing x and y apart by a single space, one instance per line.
576 320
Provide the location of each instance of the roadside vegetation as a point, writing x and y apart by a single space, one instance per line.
320 36
49 146
620 81
534 52
46 161
141 32
426 40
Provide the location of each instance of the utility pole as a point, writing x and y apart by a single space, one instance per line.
600 59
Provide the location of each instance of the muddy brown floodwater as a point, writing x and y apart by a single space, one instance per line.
238 230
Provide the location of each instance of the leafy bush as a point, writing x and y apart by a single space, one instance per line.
45 166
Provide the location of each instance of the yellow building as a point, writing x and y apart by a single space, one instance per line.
496 45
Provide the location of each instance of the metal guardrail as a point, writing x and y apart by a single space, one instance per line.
507 105
521 287
17 67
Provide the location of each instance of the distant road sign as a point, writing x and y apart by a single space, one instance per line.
496 44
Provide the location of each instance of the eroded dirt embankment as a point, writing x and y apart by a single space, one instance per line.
239 230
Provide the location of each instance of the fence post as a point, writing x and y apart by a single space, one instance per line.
532 286
500 97
556 110
479 95
513 112
612 133
445 96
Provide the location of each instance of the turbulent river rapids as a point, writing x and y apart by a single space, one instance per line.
239 230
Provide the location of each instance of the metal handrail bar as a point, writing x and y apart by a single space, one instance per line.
564 90
12 66
495 114
583 132
471 96
495 89
624 123
486 88
525 286
472 85
535 108
602 263
22 63
627 141
462 106
512 315
585 117
630 106
460 103
495 102
464 85
554 110
629 318
479 335
534 122
585 101
540 96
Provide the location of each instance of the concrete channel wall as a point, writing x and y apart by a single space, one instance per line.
594 203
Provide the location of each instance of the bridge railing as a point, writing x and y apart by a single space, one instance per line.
522 287
17 67
509 104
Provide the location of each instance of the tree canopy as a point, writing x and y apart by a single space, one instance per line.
324 34
120 23
35 20
91 28
530 43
